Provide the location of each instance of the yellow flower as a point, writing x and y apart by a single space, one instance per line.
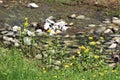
44 70
114 71
96 56
26 24
55 33
55 76
90 38
93 43
101 74
78 53
82 47
71 64
86 50
48 30
72 57
101 38
66 66
26 18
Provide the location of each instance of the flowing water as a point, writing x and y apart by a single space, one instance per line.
14 13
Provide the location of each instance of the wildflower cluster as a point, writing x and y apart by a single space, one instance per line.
89 52
54 55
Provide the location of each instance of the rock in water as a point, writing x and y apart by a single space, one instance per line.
52 32
39 32
16 28
112 46
1 1
16 44
80 17
107 21
116 20
73 16
108 31
32 5
7 38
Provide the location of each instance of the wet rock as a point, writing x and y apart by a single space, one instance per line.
113 46
80 17
73 36
16 44
32 5
58 31
52 33
64 28
52 27
79 33
15 40
73 16
7 27
1 1
91 31
116 20
91 25
39 32
34 24
51 17
10 34
71 24
108 31
73 46
116 39
100 30
115 35
7 42
29 33
113 27
60 23
107 21
109 43
68 42
16 28
38 56
40 25
9 39
67 35
4 32
112 65
116 57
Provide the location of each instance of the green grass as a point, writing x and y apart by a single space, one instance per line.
14 66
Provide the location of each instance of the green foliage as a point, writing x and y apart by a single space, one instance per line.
13 66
